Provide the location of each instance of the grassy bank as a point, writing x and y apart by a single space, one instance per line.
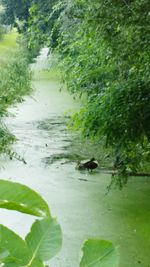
15 80
8 47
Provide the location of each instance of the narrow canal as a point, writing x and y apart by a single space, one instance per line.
77 199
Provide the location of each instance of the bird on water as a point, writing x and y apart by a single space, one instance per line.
88 165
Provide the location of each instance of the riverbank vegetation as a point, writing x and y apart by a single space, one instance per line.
8 46
104 55
15 80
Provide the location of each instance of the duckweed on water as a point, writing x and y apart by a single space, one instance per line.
68 157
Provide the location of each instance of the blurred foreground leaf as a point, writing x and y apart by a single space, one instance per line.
99 253
44 239
15 196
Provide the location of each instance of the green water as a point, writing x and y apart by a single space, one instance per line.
77 199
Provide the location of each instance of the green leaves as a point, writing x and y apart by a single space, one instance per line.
99 253
41 244
37 263
15 246
45 239
19 197
113 74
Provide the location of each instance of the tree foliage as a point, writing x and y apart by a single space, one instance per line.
34 19
15 9
105 51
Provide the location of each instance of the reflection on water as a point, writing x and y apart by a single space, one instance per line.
78 199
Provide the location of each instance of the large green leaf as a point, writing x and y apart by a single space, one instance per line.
15 247
36 263
44 239
32 263
4 253
15 196
99 253
11 264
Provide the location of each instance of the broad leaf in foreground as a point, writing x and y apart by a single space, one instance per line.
11 264
31 263
36 263
99 253
4 253
44 239
15 247
15 196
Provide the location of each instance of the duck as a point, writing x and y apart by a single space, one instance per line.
88 165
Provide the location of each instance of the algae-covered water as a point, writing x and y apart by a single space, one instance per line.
77 199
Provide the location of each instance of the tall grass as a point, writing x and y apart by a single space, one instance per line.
8 47
15 82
